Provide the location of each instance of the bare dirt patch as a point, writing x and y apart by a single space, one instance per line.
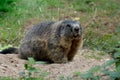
11 65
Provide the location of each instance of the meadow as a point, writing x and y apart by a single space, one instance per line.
100 20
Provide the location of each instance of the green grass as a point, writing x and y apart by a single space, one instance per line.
25 12
6 78
96 16
99 18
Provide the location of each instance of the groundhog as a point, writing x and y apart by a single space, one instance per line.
56 42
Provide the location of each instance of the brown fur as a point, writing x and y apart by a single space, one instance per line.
76 44
52 41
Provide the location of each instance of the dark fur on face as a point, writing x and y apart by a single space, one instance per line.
72 27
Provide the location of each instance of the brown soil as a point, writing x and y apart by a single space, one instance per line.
11 65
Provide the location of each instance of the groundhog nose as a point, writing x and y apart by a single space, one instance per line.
76 29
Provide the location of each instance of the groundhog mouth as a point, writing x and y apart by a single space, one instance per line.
77 36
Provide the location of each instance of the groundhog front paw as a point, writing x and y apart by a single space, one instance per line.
63 60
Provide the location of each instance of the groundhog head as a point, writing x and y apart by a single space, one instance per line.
71 29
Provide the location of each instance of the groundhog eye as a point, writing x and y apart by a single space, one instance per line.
68 25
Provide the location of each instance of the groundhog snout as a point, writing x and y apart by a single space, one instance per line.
77 32
76 29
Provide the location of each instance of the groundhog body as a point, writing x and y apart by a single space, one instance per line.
52 41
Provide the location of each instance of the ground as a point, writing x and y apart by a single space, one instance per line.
11 65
